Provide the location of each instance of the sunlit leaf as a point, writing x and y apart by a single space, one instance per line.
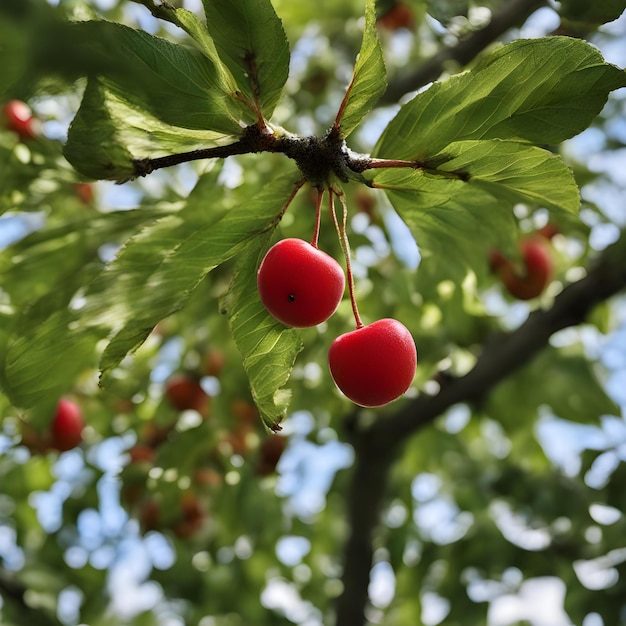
368 81
538 90
250 39
513 172
110 130
156 272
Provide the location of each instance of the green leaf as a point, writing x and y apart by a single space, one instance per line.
591 12
513 172
111 129
94 146
41 275
156 272
42 363
151 95
440 213
250 39
542 91
178 85
369 78
50 260
198 32
269 348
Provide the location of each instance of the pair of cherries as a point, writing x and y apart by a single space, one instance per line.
302 286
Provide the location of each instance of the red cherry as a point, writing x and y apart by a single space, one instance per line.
529 282
399 16
19 119
84 192
141 453
184 393
67 426
374 364
299 284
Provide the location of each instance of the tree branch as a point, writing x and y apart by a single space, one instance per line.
513 13
378 445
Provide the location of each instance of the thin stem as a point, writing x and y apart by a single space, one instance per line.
318 216
297 186
345 246
143 167
384 163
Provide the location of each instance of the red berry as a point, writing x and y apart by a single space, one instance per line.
19 119
374 364
84 192
67 426
300 285
141 453
184 393
529 281
399 16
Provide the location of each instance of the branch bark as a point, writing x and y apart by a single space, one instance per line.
378 445
513 13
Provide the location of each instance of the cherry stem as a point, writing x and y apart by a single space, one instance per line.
390 163
345 246
297 186
318 216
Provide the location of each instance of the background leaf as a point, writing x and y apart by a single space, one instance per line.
250 39
53 265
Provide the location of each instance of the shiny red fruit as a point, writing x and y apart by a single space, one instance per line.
528 281
374 364
67 426
299 284
19 119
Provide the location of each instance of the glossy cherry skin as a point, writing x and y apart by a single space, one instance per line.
530 280
67 426
299 284
374 364
19 118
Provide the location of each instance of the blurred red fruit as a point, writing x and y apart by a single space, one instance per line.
399 16
19 118
84 192
271 450
184 393
531 278
67 426
141 453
